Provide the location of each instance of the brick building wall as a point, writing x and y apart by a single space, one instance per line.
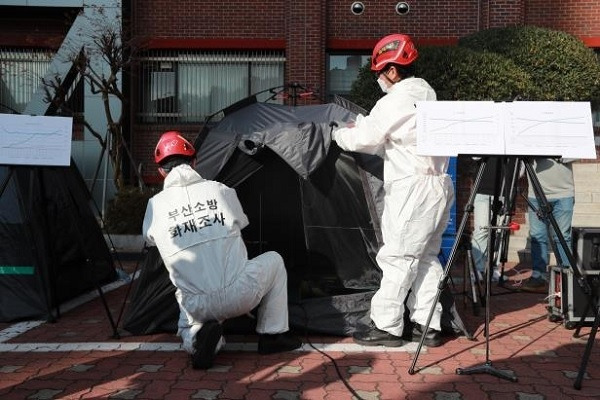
426 21
307 30
578 17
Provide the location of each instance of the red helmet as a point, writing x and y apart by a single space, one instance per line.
172 143
396 48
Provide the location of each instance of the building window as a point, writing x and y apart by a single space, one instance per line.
21 73
342 71
189 86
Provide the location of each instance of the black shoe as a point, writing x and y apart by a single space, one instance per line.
277 343
535 285
374 336
432 338
207 339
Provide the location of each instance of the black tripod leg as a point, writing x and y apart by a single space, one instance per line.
588 350
486 368
581 322
444 279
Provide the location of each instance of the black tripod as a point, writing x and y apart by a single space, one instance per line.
545 209
483 161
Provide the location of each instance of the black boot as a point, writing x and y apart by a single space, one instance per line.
432 338
277 343
374 336
207 339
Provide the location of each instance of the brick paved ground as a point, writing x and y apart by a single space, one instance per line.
78 358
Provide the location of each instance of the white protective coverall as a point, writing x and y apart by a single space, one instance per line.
196 225
417 201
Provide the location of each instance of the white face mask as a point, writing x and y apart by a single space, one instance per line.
383 85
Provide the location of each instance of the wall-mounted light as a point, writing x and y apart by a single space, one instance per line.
402 8
357 8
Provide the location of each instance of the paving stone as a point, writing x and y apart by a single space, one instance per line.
287 395
7 369
522 338
81 367
359 369
529 396
206 394
367 395
447 396
573 374
220 368
45 394
150 368
432 371
126 394
290 369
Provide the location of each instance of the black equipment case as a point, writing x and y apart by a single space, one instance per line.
566 299
586 248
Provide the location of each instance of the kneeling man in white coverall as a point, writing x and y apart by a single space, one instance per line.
196 225
417 201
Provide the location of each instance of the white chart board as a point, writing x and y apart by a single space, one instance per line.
522 128
35 140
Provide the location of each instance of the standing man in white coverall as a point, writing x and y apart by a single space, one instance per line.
418 197
196 225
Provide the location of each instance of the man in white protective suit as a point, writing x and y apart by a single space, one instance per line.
417 201
196 225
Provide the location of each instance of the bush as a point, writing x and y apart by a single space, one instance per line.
125 212
528 63
561 67
458 73
365 91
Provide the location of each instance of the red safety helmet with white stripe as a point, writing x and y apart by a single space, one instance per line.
172 143
394 49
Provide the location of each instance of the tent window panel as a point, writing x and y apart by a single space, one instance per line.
187 87
21 73
342 71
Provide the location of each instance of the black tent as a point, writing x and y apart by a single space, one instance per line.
51 245
318 206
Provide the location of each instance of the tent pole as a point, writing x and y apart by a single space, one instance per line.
103 205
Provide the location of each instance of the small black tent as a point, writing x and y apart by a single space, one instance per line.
318 206
51 245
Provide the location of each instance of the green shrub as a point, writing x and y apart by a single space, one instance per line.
524 62
458 73
561 67
125 212
365 91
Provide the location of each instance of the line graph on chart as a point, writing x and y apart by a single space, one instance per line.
32 140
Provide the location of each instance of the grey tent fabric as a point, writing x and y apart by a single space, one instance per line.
297 134
316 205
301 145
